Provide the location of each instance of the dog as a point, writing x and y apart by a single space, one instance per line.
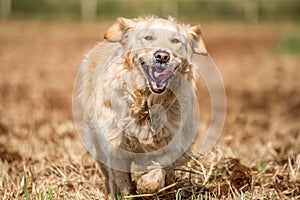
136 93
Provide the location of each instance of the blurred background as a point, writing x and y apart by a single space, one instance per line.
249 10
255 44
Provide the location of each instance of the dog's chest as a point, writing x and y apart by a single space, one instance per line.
151 124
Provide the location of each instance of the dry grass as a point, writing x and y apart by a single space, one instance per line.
258 156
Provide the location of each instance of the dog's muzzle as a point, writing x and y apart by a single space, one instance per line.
159 72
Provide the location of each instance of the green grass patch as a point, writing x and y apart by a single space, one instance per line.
38 196
25 187
50 194
261 166
289 44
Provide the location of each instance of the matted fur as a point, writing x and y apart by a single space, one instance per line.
116 96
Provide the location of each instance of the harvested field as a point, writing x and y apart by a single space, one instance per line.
42 157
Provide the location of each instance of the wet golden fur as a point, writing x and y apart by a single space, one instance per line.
116 97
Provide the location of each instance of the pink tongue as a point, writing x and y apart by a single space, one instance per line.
164 74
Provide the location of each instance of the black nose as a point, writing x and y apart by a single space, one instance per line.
162 56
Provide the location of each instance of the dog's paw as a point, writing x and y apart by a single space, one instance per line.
152 181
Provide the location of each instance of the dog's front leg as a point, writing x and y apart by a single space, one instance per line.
116 182
122 181
155 179
152 180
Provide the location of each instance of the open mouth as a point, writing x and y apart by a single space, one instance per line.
158 76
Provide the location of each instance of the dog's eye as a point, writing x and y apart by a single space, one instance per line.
175 40
148 37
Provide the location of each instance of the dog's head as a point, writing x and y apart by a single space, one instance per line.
158 47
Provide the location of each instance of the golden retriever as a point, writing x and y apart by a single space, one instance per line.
137 93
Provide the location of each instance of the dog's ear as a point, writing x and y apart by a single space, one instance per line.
198 44
116 31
